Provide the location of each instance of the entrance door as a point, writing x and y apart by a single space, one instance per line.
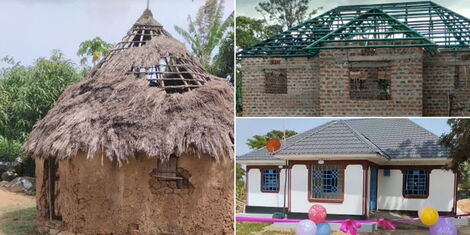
52 179
373 189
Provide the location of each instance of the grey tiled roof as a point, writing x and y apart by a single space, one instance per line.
400 138
391 138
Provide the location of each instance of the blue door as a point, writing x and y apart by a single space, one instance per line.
373 189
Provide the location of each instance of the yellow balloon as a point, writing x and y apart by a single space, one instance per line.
429 216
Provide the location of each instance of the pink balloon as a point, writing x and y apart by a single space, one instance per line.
317 214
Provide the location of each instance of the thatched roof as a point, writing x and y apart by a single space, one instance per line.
117 113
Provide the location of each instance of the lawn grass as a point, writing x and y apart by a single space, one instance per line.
18 221
257 228
250 228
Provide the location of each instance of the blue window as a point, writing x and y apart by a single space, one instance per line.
326 182
270 180
416 183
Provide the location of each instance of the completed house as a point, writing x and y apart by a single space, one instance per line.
394 59
353 168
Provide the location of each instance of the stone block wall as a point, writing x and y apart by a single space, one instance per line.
440 96
301 98
405 74
421 84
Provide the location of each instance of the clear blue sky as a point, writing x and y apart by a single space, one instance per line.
247 7
248 127
33 28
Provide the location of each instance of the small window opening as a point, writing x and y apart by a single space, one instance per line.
370 83
169 175
167 170
275 81
270 180
415 183
462 77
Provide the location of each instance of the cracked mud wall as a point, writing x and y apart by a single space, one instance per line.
98 197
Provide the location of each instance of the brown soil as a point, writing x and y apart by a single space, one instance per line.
9 200
464 205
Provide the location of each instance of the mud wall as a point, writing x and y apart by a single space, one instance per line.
98 197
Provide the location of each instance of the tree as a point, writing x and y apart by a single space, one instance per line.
251 31
224 61
458 143
96 49
27 94
206 32
240 184
286 12
259 141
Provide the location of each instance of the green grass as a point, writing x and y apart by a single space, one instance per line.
18 221
257 228
249 228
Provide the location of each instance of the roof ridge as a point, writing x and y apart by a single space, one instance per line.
366 140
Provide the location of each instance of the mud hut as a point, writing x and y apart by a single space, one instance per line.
143 145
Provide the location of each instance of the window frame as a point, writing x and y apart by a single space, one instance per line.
278 179
341 168
428 174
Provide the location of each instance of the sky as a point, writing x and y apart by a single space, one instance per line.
33 28
248 127
247 7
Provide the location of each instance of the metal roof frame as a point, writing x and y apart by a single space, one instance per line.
450 31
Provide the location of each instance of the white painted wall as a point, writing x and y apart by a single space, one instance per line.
441 192
258 198
353 190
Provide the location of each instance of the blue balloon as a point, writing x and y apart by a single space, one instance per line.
323 229
306 227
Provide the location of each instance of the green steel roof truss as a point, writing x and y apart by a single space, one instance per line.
445 28
372 26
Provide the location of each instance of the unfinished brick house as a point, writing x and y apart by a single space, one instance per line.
395 59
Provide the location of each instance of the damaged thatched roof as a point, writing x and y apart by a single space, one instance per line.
116 111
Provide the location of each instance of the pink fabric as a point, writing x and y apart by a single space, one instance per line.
350 226
385 224
270 220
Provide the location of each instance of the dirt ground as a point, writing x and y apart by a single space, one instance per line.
17 213
9 200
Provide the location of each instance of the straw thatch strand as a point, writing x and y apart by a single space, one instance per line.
122 116
118 115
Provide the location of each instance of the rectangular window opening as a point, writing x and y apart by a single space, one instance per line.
326 182
270 180
370 83
167 170
275 81
416 183
462 78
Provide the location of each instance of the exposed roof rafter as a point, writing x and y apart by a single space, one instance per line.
445 28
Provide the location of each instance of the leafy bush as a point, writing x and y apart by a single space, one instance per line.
27 93
9 149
